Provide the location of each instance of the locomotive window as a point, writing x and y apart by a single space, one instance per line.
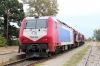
41 23
55 25
30 24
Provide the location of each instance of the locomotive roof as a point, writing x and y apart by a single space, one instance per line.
45 17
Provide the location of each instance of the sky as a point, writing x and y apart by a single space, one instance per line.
82 15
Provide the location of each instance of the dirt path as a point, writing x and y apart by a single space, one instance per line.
59 61
9 49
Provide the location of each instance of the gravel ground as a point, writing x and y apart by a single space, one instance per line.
60 60
7 57
94 58
8 53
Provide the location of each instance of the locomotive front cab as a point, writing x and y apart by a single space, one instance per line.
34 39
37 29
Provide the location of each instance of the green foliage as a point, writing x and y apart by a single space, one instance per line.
25 62
97 34
13 8
12 59
37 65
13 31
88 39
2 41
1 28
0 21
13 42
11 11
41 7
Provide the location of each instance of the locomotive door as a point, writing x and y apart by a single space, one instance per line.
56 34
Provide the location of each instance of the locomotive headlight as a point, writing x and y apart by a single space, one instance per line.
44 39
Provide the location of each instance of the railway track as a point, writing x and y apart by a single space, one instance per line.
86 62
24 62
8 53
93 46
16 62
29 61
32 61
98 46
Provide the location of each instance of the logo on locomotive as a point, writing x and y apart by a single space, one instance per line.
34 33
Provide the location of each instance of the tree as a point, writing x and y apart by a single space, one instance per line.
12 8
93 38
2 41
0 21
13 31
11 11
97 34
41 7
1 26
88 39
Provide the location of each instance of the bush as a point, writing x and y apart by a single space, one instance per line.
2 41
13 42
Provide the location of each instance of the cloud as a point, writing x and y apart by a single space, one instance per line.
78 7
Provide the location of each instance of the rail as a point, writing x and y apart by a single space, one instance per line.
88 55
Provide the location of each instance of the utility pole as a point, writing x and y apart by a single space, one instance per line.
8 13
7 31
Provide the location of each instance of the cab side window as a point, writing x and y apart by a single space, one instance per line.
55 25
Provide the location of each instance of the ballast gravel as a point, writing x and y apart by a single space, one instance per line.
94 57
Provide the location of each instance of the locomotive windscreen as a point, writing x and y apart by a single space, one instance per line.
36 24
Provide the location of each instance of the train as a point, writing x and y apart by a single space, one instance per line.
45 36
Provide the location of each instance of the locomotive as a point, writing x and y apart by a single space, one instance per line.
45 36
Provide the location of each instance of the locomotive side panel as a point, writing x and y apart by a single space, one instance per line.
51 36
65 36
21 31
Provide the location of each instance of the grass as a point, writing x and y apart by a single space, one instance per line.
25 62
61 54
11 59
37 65
77 57
98 43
